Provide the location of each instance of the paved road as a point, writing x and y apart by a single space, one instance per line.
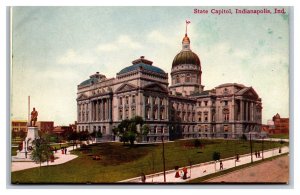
275 171
62 158
204 169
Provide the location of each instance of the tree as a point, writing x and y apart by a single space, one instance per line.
22 134
216 156
197 143
41 151
244 137
127 129
14 135
83 135
73 137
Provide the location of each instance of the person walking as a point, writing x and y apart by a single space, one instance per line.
221 165
143 178
65 150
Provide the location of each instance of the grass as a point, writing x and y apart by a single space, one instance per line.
283 136
121 162
211 176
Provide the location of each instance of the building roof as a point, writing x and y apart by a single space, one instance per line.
89 81
186 57
203 93
142 63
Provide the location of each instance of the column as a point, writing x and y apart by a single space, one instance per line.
123 106
166 109
232 111
100 110
158 111
96 110
151 107
251 111
242 110
109 109
247 111
143 107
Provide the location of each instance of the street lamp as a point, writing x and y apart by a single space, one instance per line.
164 162
251 147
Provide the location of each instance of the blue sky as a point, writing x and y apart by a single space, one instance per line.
56 48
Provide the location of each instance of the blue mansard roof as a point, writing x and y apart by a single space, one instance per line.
142 63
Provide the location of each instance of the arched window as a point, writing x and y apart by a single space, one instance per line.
188 78
177 79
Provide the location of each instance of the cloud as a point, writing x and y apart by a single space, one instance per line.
159 37
73 57
122 42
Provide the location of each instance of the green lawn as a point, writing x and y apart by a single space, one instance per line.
283 136
121 162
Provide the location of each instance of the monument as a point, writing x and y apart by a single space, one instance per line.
32 134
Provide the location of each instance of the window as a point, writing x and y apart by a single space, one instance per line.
133 112
127 100
127 113
205 103
199 103
205 128
225 103
177 79
200 116
226 115
155 114
120 114
188 78
147 113
162 114
133 99
205 116
120 101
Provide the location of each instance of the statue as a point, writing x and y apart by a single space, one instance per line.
33 119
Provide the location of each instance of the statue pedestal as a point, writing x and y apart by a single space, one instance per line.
24 154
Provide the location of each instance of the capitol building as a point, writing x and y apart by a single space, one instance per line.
182 110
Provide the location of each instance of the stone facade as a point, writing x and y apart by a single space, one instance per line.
182 110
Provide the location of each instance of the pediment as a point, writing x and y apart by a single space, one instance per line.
155 87
126 87
82 97
248 92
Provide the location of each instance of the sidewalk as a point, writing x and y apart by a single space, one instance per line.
203 169
62 158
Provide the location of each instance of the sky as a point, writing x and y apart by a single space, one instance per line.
56 48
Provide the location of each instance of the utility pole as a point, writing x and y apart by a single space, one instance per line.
164 162
262 148
251 147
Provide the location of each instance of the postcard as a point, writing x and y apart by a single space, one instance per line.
150 95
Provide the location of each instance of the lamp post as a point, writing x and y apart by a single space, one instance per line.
164 162
251 147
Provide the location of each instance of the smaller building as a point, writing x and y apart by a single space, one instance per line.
45 126
281 125
277 125
19 125
61 129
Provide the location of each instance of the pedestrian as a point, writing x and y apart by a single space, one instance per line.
237 157
177 172
258 154
143 178
184 173
65 150
255 154
221 165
